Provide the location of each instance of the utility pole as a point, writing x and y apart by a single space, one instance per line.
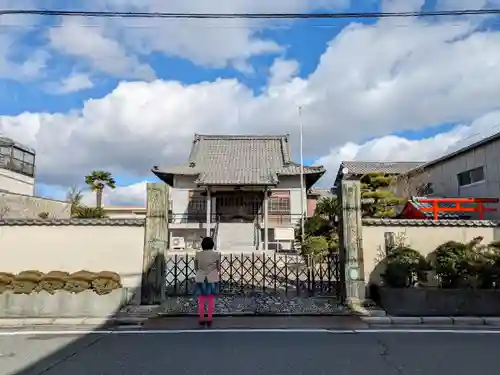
302 188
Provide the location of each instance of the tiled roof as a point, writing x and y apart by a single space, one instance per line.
239 160
76 222
430 223
363 167
321 192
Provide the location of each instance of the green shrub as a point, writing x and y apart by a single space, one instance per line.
105 282
84 212
487 268
405 267
454 262
315 247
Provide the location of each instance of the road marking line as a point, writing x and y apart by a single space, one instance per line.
238 330
164 331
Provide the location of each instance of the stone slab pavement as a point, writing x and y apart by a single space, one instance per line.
247 353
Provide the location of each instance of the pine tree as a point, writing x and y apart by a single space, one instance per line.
377 198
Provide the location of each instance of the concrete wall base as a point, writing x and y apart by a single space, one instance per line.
62 304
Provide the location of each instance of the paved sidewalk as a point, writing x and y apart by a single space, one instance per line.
260 322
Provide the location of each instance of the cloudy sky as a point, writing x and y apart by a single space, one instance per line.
124 95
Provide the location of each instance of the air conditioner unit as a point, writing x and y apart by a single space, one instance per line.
178 243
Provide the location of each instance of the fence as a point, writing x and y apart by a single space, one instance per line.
260 273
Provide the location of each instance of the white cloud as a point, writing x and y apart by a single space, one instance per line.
131 195
282 71
372 80
72 83
396 148
99 50
211 43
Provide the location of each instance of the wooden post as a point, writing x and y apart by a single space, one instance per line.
209 213
351 254
156 240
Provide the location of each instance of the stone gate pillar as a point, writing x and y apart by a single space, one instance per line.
156 242
351 254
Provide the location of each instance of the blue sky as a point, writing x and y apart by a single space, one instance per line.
92 94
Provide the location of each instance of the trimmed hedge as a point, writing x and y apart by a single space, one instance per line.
30 281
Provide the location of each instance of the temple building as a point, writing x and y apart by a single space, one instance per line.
244 190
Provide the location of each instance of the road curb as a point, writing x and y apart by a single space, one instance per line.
82 321
431 320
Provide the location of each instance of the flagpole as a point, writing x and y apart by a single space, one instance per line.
302 192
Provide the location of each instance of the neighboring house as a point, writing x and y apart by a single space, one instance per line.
472 171
234 187
313 196
124 212
17 167
354 170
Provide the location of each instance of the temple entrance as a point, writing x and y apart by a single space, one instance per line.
238 206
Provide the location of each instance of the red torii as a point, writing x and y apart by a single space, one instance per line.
479 205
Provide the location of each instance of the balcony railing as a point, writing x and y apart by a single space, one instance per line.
186 218
273 219
280 219
16 165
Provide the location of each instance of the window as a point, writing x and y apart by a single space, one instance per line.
17 160
29 158
279 205
197 203
471 176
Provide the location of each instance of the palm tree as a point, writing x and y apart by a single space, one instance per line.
74 197
98 180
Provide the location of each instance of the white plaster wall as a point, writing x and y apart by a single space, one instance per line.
73 248
424 239
17 183
17 206
180 195
184 182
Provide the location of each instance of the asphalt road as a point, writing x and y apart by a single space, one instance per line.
249 353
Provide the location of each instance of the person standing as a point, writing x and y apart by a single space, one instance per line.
207 267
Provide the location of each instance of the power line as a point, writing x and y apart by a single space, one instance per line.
107 14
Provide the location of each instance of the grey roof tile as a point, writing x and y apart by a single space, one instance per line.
239 160
430 223
363 167
76 222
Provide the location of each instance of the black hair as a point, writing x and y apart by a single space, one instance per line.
207 243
